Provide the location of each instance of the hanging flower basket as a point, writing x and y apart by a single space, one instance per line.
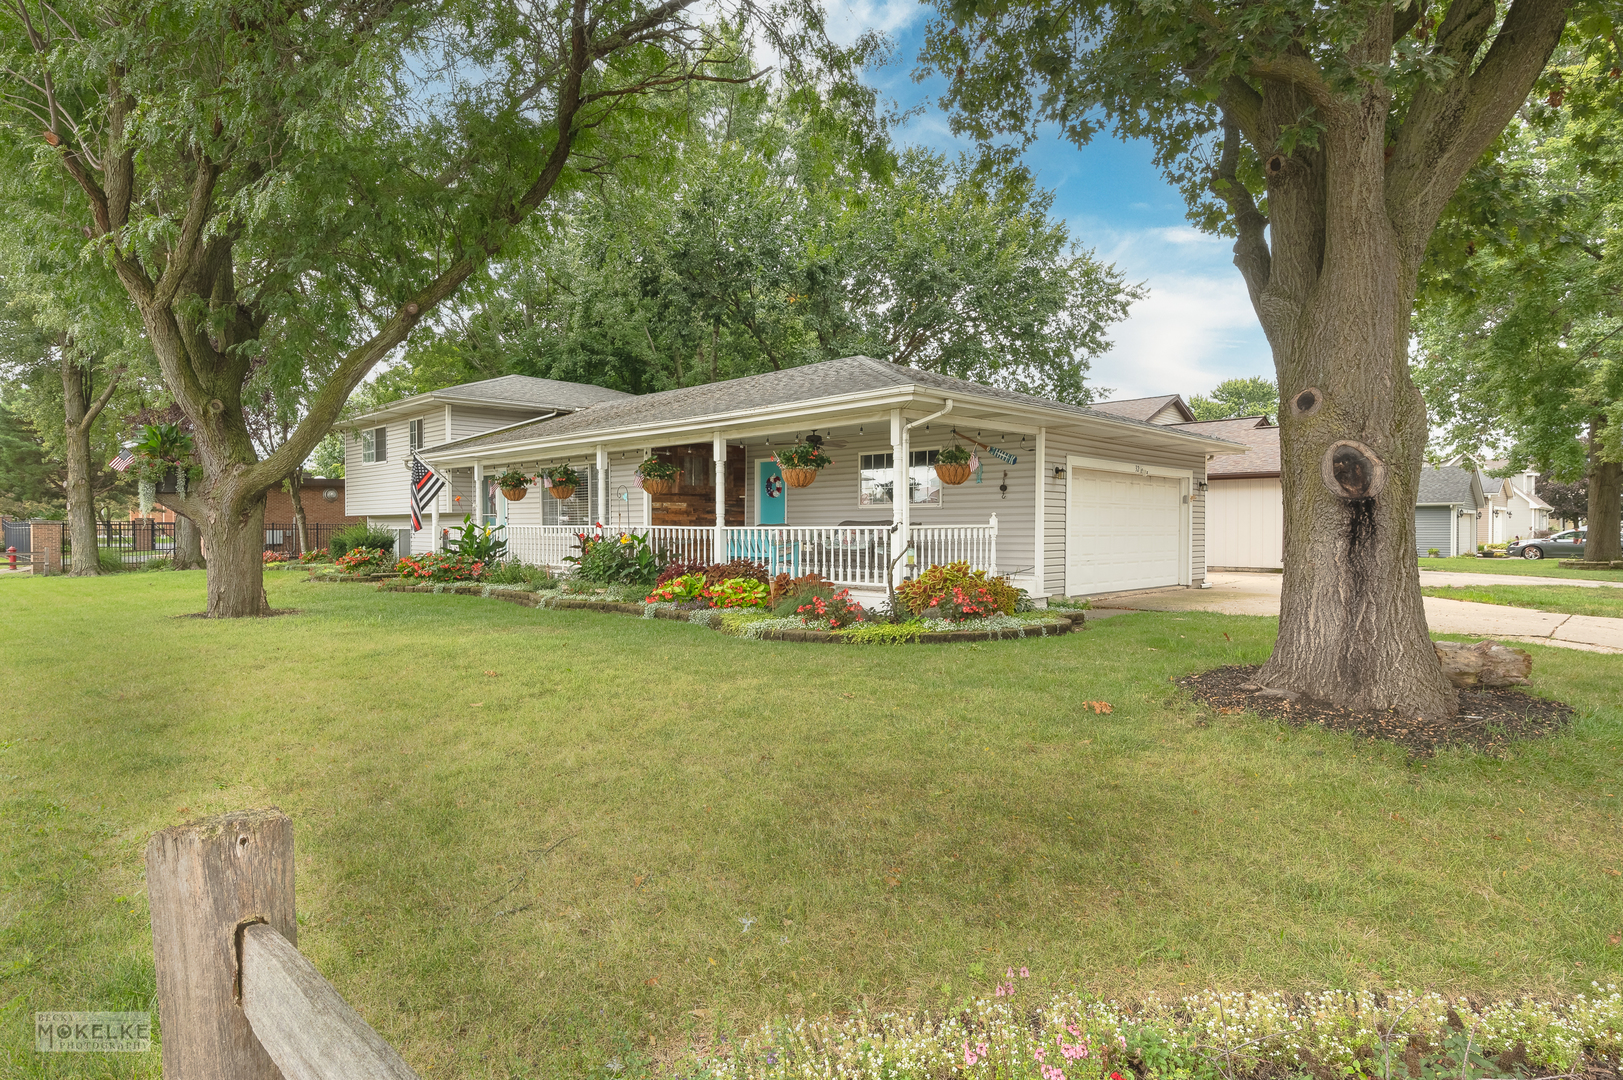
655 485
560 480
801 464
515 484
657 477
953 474
514 494
954 464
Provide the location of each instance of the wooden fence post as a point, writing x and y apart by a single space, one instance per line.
205 880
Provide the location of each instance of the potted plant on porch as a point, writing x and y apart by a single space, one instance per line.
953 465
561 480
801 464
657 477
514 484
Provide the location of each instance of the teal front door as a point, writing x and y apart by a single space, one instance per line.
769 494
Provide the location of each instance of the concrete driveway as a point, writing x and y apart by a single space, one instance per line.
1258 594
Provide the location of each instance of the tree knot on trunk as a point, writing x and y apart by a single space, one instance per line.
1352 470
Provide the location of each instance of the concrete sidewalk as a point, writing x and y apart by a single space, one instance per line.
1432 579
1258 594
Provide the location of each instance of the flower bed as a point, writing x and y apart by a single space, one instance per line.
1213 1035
440 566
759 625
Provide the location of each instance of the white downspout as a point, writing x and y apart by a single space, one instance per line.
718 450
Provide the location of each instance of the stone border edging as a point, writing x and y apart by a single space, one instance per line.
1585 564
1063 624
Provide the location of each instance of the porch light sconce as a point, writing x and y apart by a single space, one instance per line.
1059 472
1201 486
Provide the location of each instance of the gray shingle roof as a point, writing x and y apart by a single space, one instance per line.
1255 432
1448 484
1143 408
528 390
830 378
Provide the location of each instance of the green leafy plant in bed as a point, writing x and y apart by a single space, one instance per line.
883 633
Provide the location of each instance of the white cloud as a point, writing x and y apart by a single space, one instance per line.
1189 334
849 20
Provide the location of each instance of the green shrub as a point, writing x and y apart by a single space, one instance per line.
360 535
625 559
365 560
737 593
513 572
440 566
882 633
936 583
161 562
110 561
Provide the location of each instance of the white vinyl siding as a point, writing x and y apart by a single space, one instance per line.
1245 524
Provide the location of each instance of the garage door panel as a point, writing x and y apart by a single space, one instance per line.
1125 531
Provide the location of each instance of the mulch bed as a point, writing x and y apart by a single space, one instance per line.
1488 720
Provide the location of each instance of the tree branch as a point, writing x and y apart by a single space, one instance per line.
1251 254
1298 71
101 402
1450 126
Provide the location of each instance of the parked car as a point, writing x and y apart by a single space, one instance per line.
1562 545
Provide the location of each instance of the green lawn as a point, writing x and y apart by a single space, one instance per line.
1544 568
744 829
1565 599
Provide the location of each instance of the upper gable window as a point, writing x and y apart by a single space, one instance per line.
375 444
414 431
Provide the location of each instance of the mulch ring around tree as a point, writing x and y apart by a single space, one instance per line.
1488 720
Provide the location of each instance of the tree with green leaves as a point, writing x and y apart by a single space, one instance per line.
1237 397
286 192
782 238
1328 140
1521 311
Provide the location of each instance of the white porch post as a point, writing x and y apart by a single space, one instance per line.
434 525
647 499
904 489
602 486
718 447
1037 588
991 554
898 448
479 492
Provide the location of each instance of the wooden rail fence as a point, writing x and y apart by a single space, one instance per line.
236 998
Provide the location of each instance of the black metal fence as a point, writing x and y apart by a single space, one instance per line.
136 542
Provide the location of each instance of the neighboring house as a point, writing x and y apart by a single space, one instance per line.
1245 507
1513 511
1446 507
1166 409
1092 502
321 497
378 444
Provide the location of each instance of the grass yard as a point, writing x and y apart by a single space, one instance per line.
735 830
1564 599
1537 568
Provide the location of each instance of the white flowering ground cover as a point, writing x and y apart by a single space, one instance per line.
1222 1036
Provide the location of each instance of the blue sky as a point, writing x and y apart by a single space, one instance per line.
1196 327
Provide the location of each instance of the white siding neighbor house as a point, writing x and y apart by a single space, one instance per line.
1513 511
1067 500
1245 508
378 445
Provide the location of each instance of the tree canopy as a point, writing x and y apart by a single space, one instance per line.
779 238
1237 397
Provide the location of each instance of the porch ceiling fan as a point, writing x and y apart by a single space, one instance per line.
823 440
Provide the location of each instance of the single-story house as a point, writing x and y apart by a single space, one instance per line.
1446 508
1245 508
1066 499
378 444
1513 511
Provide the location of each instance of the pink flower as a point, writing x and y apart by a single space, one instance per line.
1039 1053
1025 973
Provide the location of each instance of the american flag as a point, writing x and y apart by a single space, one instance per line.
425 486
122 462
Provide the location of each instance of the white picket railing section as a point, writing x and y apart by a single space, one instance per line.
844 554
541 545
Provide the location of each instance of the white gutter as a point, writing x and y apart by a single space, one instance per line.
932 416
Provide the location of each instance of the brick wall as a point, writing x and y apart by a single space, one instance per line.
318 509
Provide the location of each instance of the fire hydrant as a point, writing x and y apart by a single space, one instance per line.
11 553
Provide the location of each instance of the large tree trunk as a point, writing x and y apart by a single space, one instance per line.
188 544
236 562
79 416
1605 511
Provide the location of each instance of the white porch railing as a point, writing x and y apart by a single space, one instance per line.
844 554
541 545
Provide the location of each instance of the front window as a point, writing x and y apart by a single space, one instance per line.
374 444
488 509
416 434
878 480
922 482
575 510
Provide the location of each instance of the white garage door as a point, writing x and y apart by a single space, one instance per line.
1125 531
